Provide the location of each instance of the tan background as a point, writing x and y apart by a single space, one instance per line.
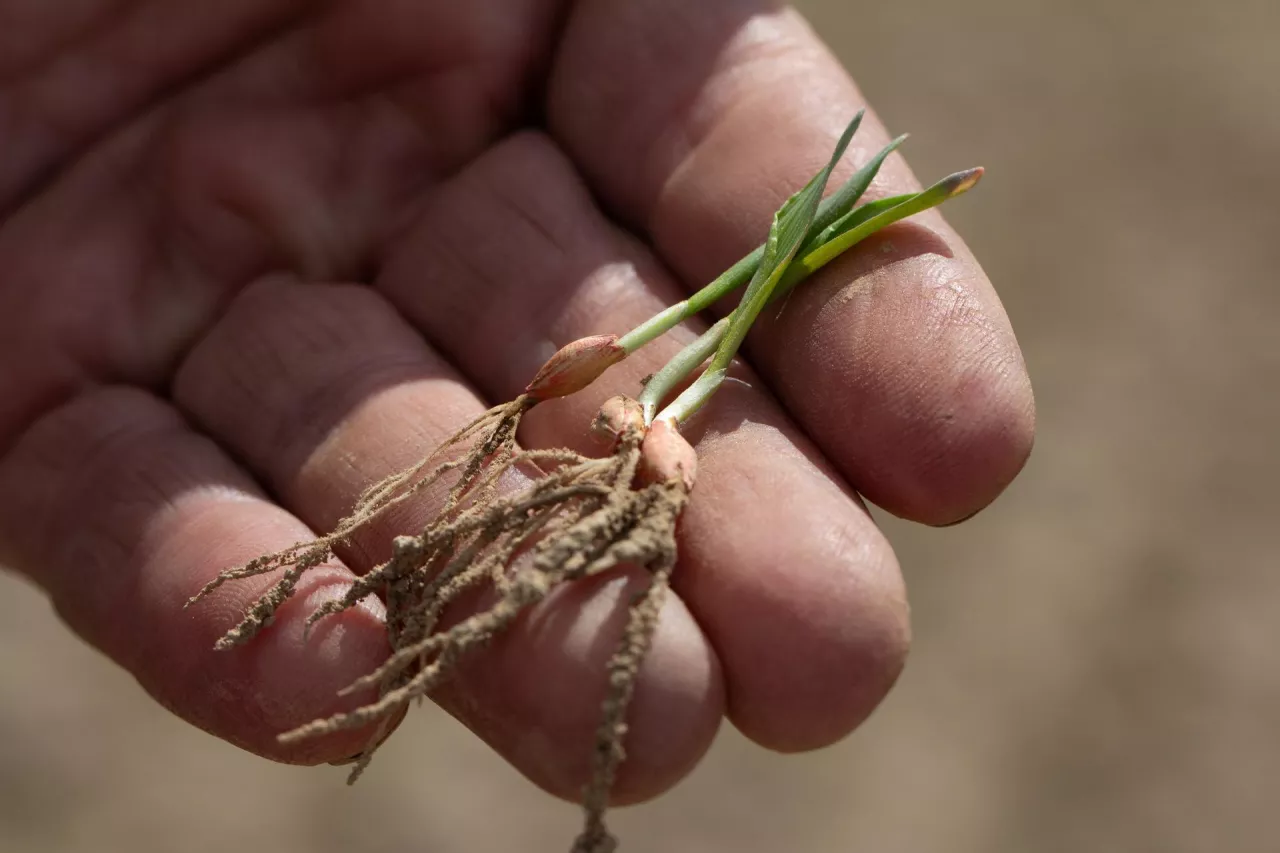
1097 664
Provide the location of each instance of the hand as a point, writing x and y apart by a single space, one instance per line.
255 255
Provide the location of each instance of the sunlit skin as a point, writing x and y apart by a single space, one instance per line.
258 254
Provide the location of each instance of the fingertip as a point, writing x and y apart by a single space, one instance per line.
302 672
980 439
536 694
281 678
802 598
901 363
819 672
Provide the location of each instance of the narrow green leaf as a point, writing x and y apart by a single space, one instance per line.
797 272
832 209
841 202
853 219
868 219
790 227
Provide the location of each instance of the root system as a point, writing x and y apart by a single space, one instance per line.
578 517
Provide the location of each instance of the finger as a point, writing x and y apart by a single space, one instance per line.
785 572
122 513
695 123
298 380
324 390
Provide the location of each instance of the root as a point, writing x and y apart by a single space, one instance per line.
497 446
624 670
578 518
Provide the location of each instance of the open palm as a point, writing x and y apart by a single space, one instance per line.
257 254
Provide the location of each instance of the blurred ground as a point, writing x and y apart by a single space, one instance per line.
1096 662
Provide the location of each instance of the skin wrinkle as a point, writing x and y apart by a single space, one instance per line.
33 38
87 472
67 123
289 210
260 222
338 322
558 253
349 388
120 441
748 71
564 253
693 117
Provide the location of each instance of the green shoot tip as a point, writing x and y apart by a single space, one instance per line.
962 182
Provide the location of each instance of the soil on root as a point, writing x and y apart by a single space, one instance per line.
580 517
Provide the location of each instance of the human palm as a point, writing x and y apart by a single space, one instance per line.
259 254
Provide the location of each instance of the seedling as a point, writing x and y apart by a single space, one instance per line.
579 517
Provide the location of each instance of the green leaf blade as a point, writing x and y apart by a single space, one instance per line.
791 225
864 221
842 201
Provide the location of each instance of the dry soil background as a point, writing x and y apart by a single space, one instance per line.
1097 663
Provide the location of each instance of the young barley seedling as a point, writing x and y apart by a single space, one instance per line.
578 517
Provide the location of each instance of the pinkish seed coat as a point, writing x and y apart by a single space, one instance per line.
575 366
666 455
617 415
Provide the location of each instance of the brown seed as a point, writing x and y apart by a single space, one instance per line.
666 455
616 417
575 366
